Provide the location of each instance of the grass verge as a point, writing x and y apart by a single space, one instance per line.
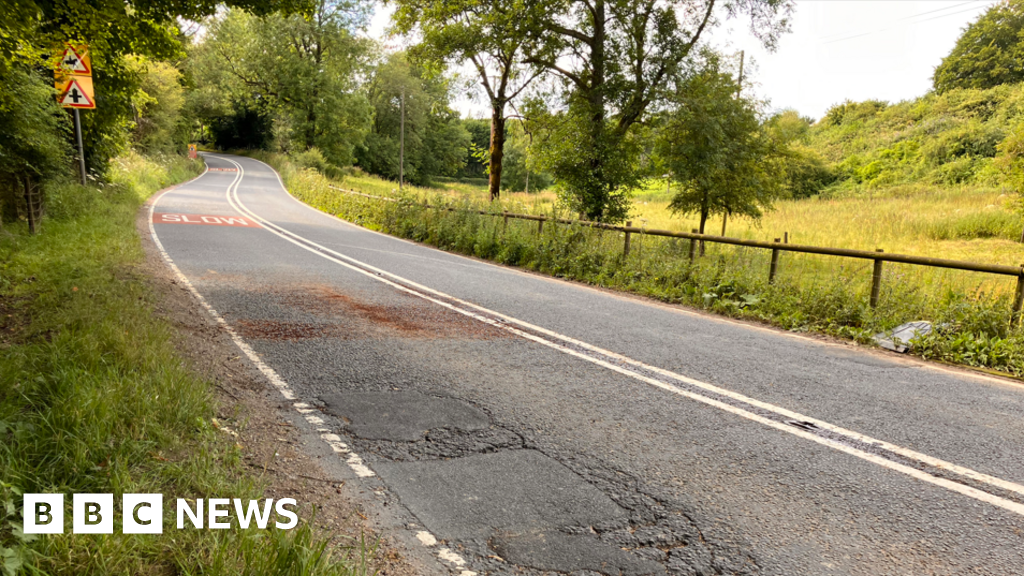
811 293
93 398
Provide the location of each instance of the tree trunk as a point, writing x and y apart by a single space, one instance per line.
497 150
703 221
596 101
28 206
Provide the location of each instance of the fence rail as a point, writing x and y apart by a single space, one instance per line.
878 257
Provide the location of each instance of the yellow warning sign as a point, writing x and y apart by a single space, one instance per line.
192 151
74 61
76 92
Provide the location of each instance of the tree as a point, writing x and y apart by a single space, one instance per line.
618 58
722 158
988 53
804 172
115 31
34 146
1011 162
435 139
159 124
491 34
302 67
521 172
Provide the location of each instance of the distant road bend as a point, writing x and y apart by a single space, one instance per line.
527 425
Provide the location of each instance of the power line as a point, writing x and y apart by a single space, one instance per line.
860 35
911 17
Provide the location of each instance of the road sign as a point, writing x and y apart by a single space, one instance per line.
75 60
76 92
192 151
73 81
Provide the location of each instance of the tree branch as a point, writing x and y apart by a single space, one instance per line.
552 66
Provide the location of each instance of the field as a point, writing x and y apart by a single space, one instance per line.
969 223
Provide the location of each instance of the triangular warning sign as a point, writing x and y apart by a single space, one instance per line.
76 97
72 62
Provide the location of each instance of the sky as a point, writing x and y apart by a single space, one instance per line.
836 50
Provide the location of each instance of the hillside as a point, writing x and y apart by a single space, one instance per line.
946 141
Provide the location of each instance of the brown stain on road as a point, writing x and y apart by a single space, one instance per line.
349 317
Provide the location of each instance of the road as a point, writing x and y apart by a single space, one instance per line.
525 424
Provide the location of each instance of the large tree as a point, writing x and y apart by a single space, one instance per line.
491 35
723 159
989 52
304 68
435 139
618 59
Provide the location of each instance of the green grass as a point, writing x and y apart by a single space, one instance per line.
93 398
811 294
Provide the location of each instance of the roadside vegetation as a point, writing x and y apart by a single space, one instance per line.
94 398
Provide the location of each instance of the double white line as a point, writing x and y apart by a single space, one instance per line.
920 466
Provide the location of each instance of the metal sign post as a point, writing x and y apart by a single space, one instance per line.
81 148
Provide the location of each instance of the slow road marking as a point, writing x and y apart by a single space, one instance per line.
203 220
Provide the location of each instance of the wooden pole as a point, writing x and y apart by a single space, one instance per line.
1018 298
774 268
30 211
739 85
876 280
725 218
625 246
401 145
540 227
693 247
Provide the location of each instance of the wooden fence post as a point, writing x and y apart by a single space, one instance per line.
876 280
775 263
1018 298
625 246
540 226
504 223
693 248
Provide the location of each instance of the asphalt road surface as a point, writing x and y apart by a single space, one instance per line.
526 425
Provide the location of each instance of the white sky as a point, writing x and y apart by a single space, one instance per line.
837 50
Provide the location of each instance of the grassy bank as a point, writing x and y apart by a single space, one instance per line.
811 294
93 398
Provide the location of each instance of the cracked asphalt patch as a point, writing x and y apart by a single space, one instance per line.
401 416
512 491
570 552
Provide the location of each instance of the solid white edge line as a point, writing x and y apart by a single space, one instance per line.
352 459
913 472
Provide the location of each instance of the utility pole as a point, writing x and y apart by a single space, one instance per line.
401 146
739 90
739 87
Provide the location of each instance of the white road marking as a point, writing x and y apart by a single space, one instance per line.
353 460
466 308
446 554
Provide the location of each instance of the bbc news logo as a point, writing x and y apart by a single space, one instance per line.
144 513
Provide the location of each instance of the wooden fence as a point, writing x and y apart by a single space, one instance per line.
878 257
